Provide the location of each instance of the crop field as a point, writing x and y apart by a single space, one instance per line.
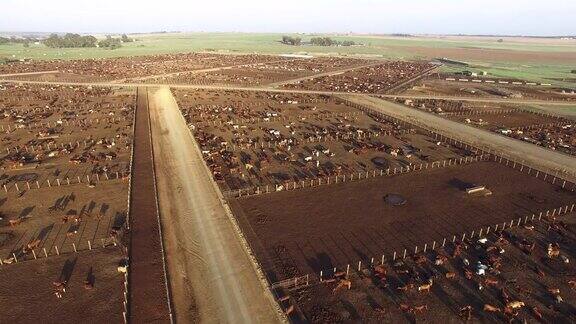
65 162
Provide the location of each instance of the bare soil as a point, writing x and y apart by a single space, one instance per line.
148 293
28 297
309 230
523 275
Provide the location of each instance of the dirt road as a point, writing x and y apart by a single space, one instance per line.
518 150
212 275
319 75
27 73
279 90
197 71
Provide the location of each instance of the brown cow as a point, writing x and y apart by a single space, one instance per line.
490 282
450 275
426 287
491 309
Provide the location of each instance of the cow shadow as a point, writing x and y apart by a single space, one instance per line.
67 270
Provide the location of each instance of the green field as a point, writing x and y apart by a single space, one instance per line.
373 46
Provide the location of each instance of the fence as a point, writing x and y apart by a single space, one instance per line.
310 183
31 254
84 122
69 146
95 178
308 279
439 136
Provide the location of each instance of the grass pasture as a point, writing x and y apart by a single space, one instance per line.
525 58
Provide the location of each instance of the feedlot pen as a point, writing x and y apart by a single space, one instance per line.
309 230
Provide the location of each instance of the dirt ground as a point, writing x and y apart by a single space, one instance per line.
373 79
506 120
435 86
255 139
128 68
511 148
520 273
64 159
310 230
213 276
266 73
480 54
148 287
549 131
28 297
52 219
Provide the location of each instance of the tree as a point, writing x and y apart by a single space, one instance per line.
111 43
125 39
70 40
322 41
289 40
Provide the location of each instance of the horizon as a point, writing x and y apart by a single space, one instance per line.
417 17
20 33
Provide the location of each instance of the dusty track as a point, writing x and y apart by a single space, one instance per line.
513 148
27 73
319 75
197 71
213 276
149 300
266 89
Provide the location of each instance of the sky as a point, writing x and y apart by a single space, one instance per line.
502 17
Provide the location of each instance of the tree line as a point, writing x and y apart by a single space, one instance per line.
316 41
70 40
14 40
78 41
289 40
